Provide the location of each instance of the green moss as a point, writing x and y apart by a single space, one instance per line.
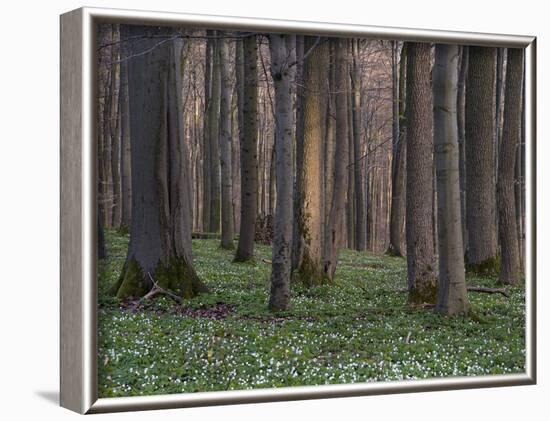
488 267
424 290
310 272
178 277
132 281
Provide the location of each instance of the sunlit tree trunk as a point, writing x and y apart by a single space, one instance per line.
452 296
310 219
214 135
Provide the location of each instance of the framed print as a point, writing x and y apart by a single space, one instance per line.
257 210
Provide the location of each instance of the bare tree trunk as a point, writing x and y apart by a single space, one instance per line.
330 138
227 234
510 271
235 158
338 203
397 211
115 128
360 229
297 243
421 271
160 236
452 295
206 157
283 55
460 116
310 270
214 134
125 158
350 205
249 155
480 160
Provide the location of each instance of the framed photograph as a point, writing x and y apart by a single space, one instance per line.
258 210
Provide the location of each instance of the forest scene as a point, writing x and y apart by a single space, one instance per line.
284 210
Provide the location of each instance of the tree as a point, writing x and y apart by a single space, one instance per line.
360 219
214 138
421 273
283 58
206 156
125 155
507 226
460 117
160 234
334 229
397 211
249 155
480 160
310 219
225 147
452 296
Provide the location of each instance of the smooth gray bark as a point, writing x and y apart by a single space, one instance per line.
452 296
283 57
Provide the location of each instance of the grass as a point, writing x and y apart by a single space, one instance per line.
358 330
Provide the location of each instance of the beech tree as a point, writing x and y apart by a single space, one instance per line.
249 155
334 230
160 233
283 61
452 296
225 141
310 219
421 261
480 159
508 234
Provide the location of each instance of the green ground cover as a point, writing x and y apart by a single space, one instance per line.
358 330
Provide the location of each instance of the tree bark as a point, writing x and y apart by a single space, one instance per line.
125 157
460 117
227 234
206 155
510 271
160 235
452 296
397 210
421 273
334 230
214 135
249 156
360 219
480 162
283 55
310 270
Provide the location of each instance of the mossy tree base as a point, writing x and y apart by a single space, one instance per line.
310 273
423 292
488 267
176 276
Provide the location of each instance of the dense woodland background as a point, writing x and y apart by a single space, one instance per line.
313 144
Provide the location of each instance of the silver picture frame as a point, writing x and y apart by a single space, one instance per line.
78 301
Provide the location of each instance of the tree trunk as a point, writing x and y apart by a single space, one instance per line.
227 234
510 271
249 155
360 219
283 53
460 117
206 156
480 162
310 270
452 296
214 135
421 273
397 211
125 157
160 235
334 230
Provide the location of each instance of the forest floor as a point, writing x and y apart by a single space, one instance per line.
358 330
